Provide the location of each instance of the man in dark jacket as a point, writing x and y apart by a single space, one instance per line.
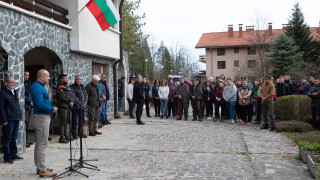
121 92
138 97
146 88
64 105
10 114
94 103
314 94
282 89
28 105
78 109
196 96
289 84
183 99
311 81
304 87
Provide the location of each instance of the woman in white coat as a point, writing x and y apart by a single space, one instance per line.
163 94
130 98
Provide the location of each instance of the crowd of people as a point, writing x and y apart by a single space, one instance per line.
222 99
217 100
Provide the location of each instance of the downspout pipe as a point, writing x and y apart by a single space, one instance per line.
115 64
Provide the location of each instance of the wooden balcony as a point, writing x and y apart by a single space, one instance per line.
42 7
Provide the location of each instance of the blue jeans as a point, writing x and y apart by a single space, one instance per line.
103 112
231 105
10 135
164 107
217 105
120 102
131 107
75 121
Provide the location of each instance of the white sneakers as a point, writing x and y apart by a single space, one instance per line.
232 121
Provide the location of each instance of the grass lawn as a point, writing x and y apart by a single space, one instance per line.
309 137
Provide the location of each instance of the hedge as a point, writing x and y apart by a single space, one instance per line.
292 126
293 107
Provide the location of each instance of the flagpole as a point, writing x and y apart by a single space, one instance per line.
77 15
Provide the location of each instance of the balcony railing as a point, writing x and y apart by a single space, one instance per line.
43 7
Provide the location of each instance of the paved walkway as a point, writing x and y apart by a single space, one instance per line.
171 149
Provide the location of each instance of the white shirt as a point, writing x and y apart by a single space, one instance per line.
130 91
12 90
163 92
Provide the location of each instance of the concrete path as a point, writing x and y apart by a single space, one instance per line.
171 149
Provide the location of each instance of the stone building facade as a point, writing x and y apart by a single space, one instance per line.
27 41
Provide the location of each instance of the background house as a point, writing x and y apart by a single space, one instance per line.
238 53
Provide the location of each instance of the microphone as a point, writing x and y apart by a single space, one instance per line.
62 88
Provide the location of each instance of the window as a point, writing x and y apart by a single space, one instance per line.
251 64
221 51
251 50
221 64
236 50
267 48
236 63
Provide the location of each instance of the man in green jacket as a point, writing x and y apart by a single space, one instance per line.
64 106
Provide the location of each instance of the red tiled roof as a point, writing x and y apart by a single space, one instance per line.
222 39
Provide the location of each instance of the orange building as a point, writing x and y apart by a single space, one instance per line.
235 53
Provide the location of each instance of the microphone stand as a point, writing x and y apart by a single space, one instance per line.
72 168
81 161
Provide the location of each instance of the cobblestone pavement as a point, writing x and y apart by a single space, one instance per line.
171 149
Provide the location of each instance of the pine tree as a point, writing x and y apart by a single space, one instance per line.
166 61
285 55
300 32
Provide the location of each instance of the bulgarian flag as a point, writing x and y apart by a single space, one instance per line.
104 12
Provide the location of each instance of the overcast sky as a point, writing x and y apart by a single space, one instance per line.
185 21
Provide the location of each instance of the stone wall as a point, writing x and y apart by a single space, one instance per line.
20 33
82 64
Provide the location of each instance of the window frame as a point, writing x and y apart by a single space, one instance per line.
234 50
225 65
219 51
234 63
252 49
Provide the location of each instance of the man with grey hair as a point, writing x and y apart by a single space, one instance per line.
138 97
41 120
94 102
10 115
78 112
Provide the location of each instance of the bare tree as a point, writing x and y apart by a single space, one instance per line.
259 41
183 61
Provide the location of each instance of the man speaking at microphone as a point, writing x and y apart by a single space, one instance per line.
64 105
41 119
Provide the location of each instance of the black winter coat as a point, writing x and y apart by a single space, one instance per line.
282 89
120 88
80 93
138 91
291 88
208 93
62 101
9 106
315 99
